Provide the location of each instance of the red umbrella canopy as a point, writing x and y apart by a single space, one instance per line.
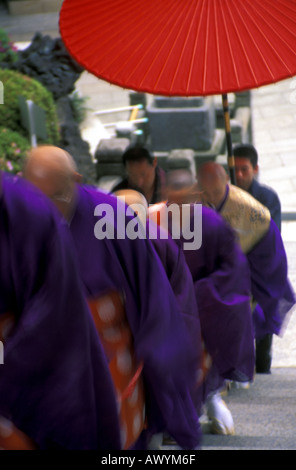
183 47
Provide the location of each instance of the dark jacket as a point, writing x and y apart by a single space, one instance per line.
269 198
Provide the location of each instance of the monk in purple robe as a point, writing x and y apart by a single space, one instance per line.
179 276
173 261
260 240
124 278
56 390
222 286
214 267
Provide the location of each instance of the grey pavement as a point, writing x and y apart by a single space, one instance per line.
23 27
265 414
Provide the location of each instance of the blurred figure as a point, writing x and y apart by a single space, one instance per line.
179 276
220 276
56 390
260 239
126 284
143 174
246 169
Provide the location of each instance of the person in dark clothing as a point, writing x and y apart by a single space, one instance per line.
246 168
143 174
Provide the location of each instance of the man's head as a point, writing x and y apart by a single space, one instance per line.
54 172
212 180
246 165
140 168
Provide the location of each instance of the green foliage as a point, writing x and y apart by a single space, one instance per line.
78 106
13 148
16 84
8 52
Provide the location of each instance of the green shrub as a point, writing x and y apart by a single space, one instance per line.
8 52
78 106
13 148
16 84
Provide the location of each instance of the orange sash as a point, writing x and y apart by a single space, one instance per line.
110 319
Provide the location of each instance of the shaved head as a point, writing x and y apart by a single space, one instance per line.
48 158
213 170
212 181
54 172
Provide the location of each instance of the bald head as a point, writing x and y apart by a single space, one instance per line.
212 181
54 172
213 171
48 158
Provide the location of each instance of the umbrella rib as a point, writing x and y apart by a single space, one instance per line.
161 48
73 20
142 27
279 10
280 37
268 42
217 45
195 44
141 30
230 49
168 56
185 44
242 46
139 44
96 27
206 51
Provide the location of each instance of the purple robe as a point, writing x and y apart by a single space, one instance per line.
222 286
267 259
158 327
178 273
271 287
179 276
55 384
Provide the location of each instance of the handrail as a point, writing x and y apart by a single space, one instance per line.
134 121
119 110
287 215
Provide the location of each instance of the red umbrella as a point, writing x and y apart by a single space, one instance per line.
183 47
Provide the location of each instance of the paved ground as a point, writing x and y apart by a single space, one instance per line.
265 414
